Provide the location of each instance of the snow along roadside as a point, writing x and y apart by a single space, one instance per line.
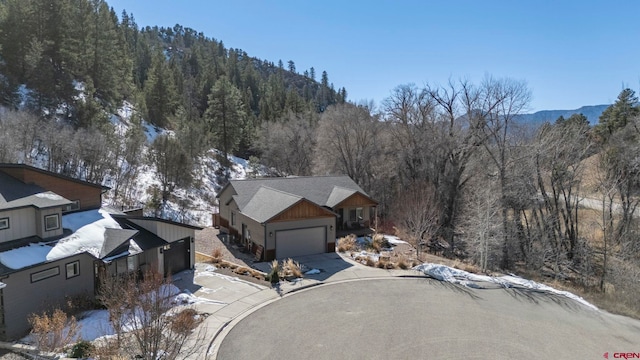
456 276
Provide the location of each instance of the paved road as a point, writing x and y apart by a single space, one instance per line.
410 318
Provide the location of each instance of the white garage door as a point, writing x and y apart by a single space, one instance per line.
299 242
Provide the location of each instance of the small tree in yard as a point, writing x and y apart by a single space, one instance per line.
155 327
415 213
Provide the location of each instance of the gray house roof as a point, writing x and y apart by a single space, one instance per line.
262 199
268 202
16 194
115 239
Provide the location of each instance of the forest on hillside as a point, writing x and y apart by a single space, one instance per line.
78 60
453 170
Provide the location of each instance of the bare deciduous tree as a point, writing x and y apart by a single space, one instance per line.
155 327
288 145
347 143
415 213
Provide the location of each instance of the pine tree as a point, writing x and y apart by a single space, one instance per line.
225 115
160 92
619 114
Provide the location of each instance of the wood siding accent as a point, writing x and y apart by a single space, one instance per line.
270 255
356 200
90 196
302 210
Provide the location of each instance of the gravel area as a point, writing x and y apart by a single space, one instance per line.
210 238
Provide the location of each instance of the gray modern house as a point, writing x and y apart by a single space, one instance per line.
53 248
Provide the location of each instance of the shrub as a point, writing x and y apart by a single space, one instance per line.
370 262
402 263
273 276
54 330
241 270
81 349
378 242
347 243
216 254
291 268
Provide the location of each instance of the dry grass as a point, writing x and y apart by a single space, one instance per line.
402 263
216 254
378 242
347 243
291 268
370 262
241 270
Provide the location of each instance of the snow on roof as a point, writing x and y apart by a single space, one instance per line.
88 236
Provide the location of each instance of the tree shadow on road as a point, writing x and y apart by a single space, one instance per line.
461 289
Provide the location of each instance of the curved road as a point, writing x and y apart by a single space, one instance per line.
417 318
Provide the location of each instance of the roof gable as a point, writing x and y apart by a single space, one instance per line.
267 203
303 209
320 190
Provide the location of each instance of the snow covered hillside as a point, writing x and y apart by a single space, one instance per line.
193 205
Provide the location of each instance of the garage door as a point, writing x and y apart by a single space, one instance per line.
299 242
176 258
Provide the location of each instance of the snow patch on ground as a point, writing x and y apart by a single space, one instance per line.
312 272
394 240
461 277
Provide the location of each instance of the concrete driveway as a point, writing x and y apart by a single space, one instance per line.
421 318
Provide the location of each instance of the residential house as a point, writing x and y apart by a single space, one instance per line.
276 218
50 253
82 194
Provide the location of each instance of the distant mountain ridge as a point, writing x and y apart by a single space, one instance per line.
592 112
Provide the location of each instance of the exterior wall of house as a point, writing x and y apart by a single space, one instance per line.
22 224
90 197
166 231
146 260
299 224
23 296
41 215
171 233
255 229
225 210
348 222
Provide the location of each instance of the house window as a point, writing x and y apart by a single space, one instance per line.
132 263
233 219
4 223
51 222
73 269
72 207
355 214
45 274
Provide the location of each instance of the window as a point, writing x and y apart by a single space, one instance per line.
51 222
72 207
45 274
73 269
233 219
355 214
132 263
4 223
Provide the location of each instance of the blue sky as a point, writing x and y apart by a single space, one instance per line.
570 53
